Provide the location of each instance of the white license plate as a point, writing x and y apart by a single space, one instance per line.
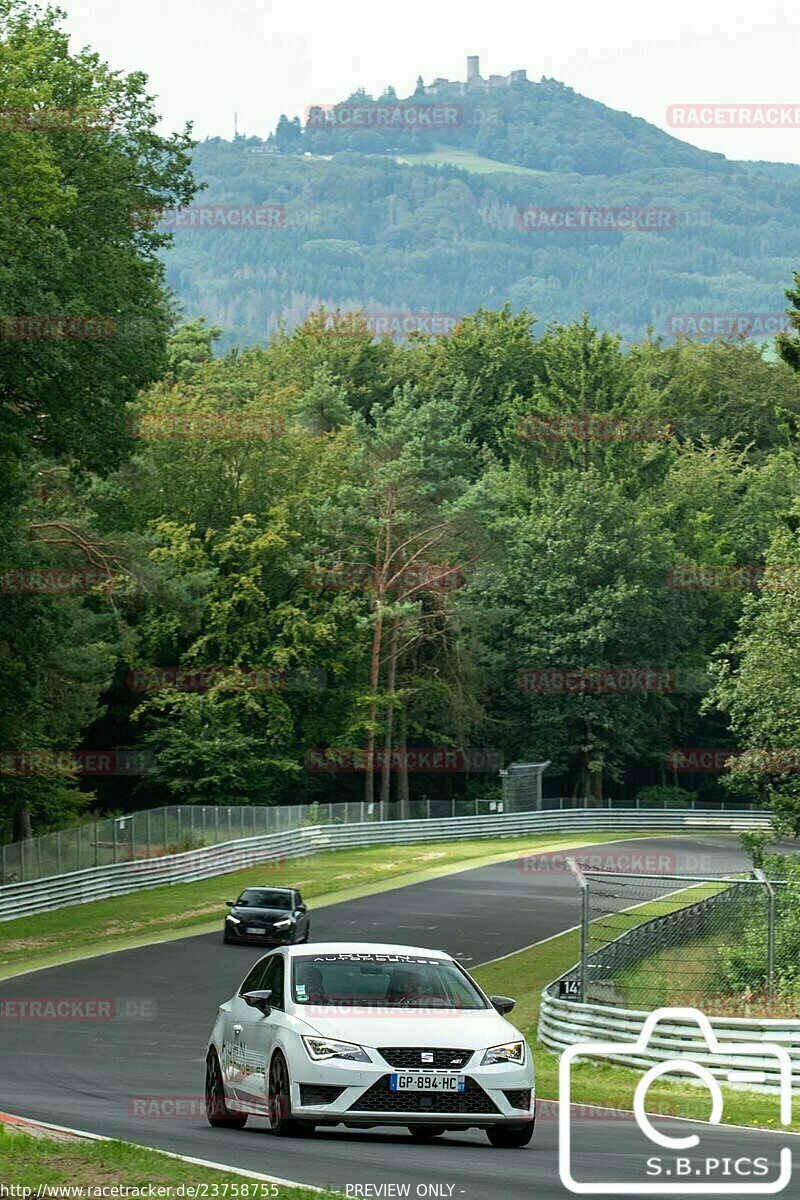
253 929
421 1081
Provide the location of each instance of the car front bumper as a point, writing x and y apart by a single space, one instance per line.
359 1094
270 937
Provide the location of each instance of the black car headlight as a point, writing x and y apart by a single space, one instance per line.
282 924
509 1052
233 920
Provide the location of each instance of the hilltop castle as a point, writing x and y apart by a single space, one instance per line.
475 80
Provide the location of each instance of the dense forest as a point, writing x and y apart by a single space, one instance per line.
380 228
331 543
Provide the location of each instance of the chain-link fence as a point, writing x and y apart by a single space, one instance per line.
156 831
721 944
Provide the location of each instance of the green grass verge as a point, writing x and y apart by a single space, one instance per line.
525 974
183 909
31 1161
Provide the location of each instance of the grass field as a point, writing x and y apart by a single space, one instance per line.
468 161
181 909
38 1162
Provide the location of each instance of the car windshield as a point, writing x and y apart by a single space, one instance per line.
264 898
382 980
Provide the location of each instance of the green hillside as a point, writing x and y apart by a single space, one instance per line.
366 231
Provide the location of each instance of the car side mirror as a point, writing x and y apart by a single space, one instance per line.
503 1004
259 1000
231 903
301 908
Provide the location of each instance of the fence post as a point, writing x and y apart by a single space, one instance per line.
114 836
58 852
759 874
583 884
4 863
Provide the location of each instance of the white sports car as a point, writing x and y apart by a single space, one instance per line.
361 1034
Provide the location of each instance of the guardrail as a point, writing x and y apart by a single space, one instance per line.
567 1022
564 1023
97 883
155 832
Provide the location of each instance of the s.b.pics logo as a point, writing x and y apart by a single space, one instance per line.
671 1160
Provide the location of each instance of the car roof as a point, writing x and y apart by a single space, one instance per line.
311 948
268 887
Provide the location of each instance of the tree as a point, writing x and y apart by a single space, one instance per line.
756 684
84 327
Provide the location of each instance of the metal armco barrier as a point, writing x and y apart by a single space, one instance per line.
564 1023
98 883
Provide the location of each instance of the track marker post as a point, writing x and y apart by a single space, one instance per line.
583 884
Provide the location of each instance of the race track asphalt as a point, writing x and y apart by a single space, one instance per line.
86 1074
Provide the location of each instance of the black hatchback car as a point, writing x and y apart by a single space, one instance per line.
276 916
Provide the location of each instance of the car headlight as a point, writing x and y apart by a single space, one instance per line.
322 1047
283 924
233 920
509 1052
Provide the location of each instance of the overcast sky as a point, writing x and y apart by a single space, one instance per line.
209 58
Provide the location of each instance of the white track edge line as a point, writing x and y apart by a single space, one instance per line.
199 1162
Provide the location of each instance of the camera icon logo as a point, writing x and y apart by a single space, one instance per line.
687 1064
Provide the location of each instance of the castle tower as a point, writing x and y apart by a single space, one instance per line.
473 68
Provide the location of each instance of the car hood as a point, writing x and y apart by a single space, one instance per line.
262 914
404 1027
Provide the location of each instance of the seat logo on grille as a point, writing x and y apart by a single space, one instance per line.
426 1056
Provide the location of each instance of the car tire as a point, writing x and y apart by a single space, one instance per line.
424 1133
279 1105
217 1112
506 1137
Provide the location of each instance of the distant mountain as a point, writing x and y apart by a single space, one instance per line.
421 220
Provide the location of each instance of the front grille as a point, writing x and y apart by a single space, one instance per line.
408 1057
379 1098
318 1093
519 1098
